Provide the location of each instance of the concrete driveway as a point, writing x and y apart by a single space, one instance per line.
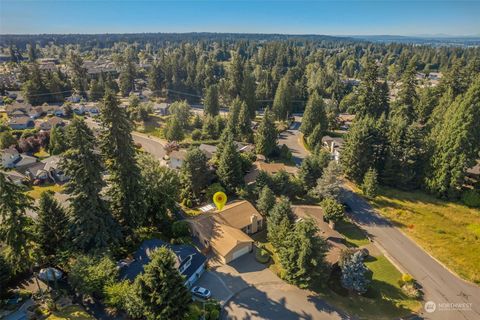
249 290
292 139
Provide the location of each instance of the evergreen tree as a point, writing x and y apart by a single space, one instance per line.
161 190
370 183
328 186
244 127
314 115
233 116
373 95
51 225
230 167
211 103
91 223
155 79
456 146
312 168
315 138
14 229
266 136
405 157
118 150
407 96
57 143
78 73
332 210
354 274
266 200
364 147
126 79
95 91
173 130
235 75
181 110
282 103
161 288
279 222
194 175
209 128
302 255
248 92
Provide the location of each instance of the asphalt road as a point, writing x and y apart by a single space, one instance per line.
292 139
454 298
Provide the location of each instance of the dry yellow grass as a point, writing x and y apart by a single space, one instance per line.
448 231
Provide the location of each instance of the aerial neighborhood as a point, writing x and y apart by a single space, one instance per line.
349 171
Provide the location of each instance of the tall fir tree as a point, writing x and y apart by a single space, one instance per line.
373 95
194 175
161 288
51 226
266 136
244 127
15 227
210 102
266 200
302 255
456 144
312 168
282 103
354 274
248 92
279 222
125 190
156 79
229 170
91 223
364 147
57 143
314 115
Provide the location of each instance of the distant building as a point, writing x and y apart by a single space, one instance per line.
161 108
21 123
177 158
10 156
334 145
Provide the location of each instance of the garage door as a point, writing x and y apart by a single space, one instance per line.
240 252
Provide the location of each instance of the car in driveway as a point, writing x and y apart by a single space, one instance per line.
201 292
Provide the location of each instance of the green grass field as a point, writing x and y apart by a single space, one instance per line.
448 231
36 191
354 236
72 312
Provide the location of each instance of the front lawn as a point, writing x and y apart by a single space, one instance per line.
36 191
354 236
73 312
41 154
449 231
383 300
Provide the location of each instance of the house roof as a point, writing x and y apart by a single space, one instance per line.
237 214
180 154
270 168
208 149
32 168
52 162
20 120
316 213
14 175
185 254
25 160
12 151
223 228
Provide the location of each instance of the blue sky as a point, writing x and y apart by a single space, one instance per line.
339 17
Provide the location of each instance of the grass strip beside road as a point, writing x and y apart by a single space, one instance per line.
448 231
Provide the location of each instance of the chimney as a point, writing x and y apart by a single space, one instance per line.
253 221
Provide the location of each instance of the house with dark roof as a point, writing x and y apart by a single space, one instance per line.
21 123
10 156
190 263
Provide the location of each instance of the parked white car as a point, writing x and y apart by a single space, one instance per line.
201 292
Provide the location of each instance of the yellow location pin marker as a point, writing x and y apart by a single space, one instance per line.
219 198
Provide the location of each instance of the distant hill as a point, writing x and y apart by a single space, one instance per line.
435 40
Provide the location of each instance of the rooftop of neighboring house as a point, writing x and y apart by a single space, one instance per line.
270 168
328 139
52 162
178 154
23 120
11 151
185 254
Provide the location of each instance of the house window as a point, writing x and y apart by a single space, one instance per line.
259 224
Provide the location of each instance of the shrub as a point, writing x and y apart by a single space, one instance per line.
262 255
332 209
196 134
180 229
212 189
369 186
411 290
117 294
471 198
89 275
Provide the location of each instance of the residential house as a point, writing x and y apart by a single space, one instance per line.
51 122
270 168
35 172
210 150
53 167
335 239
74 98
176 158
12 109
226 232
333 145
79 109
15 177
161 108
190 263
35 112
345 120
21 123
25 161
10 156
